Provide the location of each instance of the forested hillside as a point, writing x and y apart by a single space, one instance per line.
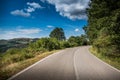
15 43
103 27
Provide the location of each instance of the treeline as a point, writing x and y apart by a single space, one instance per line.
103 27
53 44
57 40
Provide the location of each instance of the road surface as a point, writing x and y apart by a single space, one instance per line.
69 64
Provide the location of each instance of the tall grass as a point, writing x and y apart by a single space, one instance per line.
112 60
12 67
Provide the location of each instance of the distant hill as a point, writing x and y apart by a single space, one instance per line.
15 43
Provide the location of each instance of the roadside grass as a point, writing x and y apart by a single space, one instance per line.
113 61
11 69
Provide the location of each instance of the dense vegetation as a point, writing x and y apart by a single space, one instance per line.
103 27
58 33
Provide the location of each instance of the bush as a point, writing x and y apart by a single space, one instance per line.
28 55
13 51
15 55
65 44
48 43
78 40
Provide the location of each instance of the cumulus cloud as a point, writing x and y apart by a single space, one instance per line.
72 9
29 9
34 5
26 12
20 13
77 30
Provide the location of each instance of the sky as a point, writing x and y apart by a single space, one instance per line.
37 18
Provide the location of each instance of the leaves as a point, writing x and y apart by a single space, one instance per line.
103 27
58 33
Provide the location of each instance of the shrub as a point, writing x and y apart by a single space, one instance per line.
48 43
65 44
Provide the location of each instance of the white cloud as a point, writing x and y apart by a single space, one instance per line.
72 9
29 9
34 5
26 12
29 33
50 26
20 13
77 30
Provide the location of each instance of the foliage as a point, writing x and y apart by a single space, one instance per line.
49 43
103 27
65 44
112 60
78 40
14 55
58 33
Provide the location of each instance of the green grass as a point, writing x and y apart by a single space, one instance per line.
7 71
115 62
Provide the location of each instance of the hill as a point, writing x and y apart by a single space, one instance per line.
15 43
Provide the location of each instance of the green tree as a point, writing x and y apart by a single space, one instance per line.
58 33
65 44
84 40
73 41
103 27
78 40
48 43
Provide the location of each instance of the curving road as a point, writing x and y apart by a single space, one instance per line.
69 64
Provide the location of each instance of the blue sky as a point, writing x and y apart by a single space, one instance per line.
37 18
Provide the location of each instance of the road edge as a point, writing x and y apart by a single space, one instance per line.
104 62
12 77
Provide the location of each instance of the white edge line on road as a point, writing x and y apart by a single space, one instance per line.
104 62
33 65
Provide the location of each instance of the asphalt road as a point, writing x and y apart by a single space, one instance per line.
69 64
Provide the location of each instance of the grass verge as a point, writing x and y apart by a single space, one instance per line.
10 70
115 62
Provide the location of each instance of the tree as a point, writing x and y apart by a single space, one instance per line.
65 44
48 43
73 41
103 27
58 33
78 40
83 39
